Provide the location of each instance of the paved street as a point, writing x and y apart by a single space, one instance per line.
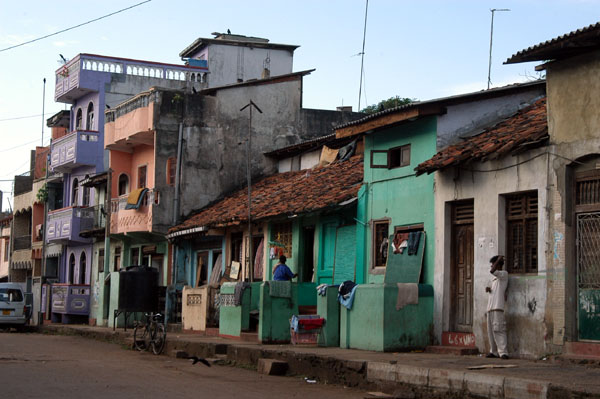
50 366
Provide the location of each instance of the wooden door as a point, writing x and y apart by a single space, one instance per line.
461 314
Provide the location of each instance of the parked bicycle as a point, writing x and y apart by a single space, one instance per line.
151 334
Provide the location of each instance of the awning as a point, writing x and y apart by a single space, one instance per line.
53 250
95 180
25 265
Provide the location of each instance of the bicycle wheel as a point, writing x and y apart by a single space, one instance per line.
141 337
159 338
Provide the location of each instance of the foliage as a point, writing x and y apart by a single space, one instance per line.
42 194
391 102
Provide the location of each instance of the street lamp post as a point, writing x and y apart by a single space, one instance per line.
250 105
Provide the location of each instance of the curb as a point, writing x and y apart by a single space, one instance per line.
401 380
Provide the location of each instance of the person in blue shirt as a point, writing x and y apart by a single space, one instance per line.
282 272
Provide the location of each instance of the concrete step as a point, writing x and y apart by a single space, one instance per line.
249 336
452 350
451 338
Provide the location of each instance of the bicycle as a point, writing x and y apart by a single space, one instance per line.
150 335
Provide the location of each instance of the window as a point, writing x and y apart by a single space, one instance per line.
393 158
380 242
123 184
71 269
282 234
78 120
75 193
142 176
90 117
171 170
6 243
82 268
399 156
100 261
117 259
135 256
521 233
236 247
86 194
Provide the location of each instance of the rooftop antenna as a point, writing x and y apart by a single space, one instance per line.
362 55
493 10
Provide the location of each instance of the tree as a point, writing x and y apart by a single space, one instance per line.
391 102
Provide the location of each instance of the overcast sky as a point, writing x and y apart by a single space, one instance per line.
420 49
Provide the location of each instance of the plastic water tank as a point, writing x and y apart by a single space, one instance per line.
138 289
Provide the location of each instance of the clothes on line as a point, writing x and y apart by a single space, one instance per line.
238 292
280 289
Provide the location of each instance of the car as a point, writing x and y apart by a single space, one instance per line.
14 312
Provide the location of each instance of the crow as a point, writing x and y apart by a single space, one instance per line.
196 359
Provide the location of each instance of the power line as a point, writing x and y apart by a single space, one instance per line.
76 26
22 117
20 145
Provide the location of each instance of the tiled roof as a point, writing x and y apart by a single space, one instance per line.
526 129
284 194
580 40
496 91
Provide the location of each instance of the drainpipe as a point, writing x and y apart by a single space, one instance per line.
177 176
106 266
176 206
43 276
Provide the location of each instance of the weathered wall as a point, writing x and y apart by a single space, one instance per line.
471 118
526 307
230 64
397 194
573 87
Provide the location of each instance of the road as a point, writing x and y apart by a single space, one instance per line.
52 366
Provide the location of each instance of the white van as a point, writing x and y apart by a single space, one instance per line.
13 310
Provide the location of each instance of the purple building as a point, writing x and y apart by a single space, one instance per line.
76 220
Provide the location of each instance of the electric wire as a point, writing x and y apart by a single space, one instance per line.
25 117
74 27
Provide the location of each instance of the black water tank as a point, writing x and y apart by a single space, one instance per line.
138 289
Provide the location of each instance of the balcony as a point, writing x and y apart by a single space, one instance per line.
88 73
98 216
78 148
64 225
22 242
71 299
132 220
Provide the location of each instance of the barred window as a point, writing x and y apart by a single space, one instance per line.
282 234
380 243
522 233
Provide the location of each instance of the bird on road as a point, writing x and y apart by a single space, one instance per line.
196 359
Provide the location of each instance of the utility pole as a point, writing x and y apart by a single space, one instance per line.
493 10
249 181
43 109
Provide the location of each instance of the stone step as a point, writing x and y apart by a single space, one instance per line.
249 337
452 350
451 338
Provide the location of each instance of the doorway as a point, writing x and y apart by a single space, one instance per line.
462 255
587 215
201 268
308 262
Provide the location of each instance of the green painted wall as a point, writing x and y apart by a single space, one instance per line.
234 319
397 193
328 308
275 315
389 329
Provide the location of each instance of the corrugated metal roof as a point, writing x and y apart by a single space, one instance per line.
551 48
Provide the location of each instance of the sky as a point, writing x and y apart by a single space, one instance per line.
421 49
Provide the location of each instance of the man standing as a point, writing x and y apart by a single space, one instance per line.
496 323
282 272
